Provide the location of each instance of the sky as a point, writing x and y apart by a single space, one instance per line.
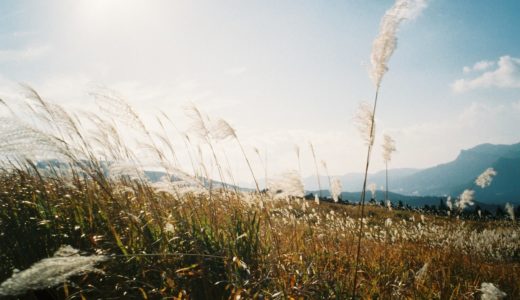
283 73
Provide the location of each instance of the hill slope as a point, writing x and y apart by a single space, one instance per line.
449 178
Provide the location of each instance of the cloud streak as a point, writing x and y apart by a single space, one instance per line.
21 55
479 66
505 75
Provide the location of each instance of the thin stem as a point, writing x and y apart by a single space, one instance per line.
317 171
248 164
386 192
369 151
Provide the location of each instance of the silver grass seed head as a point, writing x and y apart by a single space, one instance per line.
465 199
485 179
363 120
510 211
335 189
288 184
385 43
388 147
222 130
51 271
491 292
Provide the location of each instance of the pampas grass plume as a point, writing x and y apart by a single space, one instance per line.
510 211
491 292
465 199
484 179
51 271
335 189
385 43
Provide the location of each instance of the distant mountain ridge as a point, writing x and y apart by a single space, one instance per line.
418 186
450 178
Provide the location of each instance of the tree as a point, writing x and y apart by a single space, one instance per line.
499 213
442 204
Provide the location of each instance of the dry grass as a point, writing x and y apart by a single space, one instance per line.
181 240
196 249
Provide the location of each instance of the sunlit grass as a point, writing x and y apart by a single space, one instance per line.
182 236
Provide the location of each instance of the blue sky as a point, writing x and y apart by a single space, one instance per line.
282 72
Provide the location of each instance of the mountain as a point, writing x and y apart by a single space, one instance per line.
505 186
450 178
395 198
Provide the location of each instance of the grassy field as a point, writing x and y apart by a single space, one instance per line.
238 245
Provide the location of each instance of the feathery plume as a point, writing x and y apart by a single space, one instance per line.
372 187
449 203
221 130
363 120
388 147
18 139
335 189
465 199
389 204
510 211
286 185
51 271
484 179
114 104
199 124
491 292
386 42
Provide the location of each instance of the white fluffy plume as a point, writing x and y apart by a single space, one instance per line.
363 119
491 292
386 42
484 179
51 271
510 211
465 199
449 203
388 147
372 187
286 185
335 189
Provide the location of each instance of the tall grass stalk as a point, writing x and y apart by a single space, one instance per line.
223 130
297 150
363 192
383 47
388 149
317 170
324 164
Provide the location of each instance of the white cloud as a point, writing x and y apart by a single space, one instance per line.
506 75
479 66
